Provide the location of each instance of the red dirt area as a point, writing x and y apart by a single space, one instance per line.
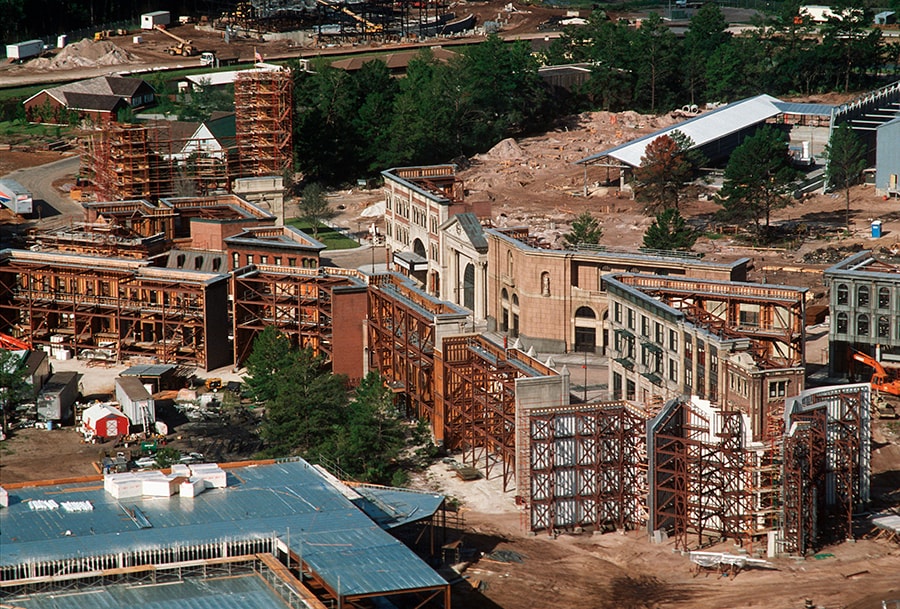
10 160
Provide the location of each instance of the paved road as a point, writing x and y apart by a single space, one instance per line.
51 207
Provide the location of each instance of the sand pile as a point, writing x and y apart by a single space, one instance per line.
86 54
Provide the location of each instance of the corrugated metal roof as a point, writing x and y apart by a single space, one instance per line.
291 500
235 592
394 507
702 129
808 109
148 370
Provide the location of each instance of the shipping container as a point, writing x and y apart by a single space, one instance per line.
54 402
24 50
136 401
16 197
149 21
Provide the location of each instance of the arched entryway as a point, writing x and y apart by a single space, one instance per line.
585 330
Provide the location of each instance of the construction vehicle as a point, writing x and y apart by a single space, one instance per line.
210 59
184 48
881 380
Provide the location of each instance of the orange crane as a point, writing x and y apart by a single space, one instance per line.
184 47
11 343
881 379
370 27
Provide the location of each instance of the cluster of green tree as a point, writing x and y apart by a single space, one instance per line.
14 390
650 69
353 124
310 413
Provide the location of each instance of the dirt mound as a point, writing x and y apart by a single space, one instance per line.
86 54
506 149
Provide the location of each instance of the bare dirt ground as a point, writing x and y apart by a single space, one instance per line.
506 567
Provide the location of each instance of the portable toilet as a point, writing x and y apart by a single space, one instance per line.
876 229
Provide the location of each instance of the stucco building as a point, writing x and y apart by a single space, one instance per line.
556 301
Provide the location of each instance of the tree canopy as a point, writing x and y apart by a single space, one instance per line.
663 173
13 388
314 207
309 412
758 180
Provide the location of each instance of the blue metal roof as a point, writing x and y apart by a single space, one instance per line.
236 592
289 499
809 109
394 507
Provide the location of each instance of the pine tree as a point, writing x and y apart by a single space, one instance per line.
585 229
669 231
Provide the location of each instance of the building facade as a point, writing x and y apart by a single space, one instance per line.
556 301
865 312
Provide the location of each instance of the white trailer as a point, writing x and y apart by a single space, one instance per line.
16 197
24 50
149 21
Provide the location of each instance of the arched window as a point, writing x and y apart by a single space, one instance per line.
585 313
843 294
842 323
545 283
862 296
862 324
504 295
884 298
515 300
884 326
469 287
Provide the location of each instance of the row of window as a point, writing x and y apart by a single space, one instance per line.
306 263
420 216
863 296
658 330
863 325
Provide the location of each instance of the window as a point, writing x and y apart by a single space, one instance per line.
688 347
688 378
630 314
235 259
646 356
749 316
673 370
659 332
388 203
264 260
645 326
617 312
842 323
843 294
617 386
884 326
884 298
292 262
673 340
277 260
862 296
585 313
862 324
629 389
777 389
249 258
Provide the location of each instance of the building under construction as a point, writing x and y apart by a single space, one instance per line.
346 21
148 161
186 539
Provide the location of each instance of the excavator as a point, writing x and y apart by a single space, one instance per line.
882 382
185 48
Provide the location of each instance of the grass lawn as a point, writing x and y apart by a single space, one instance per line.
327 235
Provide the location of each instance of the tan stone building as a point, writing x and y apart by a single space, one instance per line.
556 301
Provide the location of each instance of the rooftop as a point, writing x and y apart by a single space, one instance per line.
292 500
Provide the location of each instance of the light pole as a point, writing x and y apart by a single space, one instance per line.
585 376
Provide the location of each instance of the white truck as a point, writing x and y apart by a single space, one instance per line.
15 197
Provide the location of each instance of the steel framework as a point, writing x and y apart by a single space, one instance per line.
263 103
587 467
297 302
114 309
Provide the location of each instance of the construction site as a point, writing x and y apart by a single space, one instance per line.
147 161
